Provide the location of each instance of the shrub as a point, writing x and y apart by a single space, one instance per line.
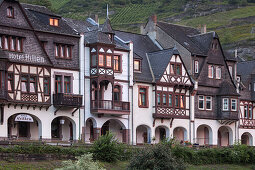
156 157
84 162
107 149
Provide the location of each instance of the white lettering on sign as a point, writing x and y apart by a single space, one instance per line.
27 58
24 118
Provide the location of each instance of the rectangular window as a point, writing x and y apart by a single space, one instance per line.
172 68
10 12
210 71
67 84
142 99
58 84
196 66
158 99
182 101
19 45
170 100
24 84
208 103
230 68
6 43
250 112
233 104
225 104
117 63
164 100
56 50
54 22
253 86
10 82
12 43
245 111
32 84
1 41
61 50
94 60
1 79
176 101
178 69
201 102
137 65
108 61
218 72
101 60
68 52
46 85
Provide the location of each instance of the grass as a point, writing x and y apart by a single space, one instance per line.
47 165
57 4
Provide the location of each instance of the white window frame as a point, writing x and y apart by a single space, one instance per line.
210 67
235 100
223 106
218 72
196 66
203 102
230 68
208 98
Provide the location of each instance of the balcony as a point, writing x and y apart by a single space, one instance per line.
67 100
110 107
169 112
247 123
3 94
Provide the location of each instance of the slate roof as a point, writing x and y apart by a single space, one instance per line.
230 56
106 28
79 26
203 40
159 61
227 89
39 18
245 69
181 35
97 36
142 45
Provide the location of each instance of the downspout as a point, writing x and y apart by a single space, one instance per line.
129 95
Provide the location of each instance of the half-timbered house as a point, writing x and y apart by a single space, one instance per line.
39 70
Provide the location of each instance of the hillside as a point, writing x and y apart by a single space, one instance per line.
234 23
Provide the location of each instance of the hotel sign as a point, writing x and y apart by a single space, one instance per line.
26 58
24 118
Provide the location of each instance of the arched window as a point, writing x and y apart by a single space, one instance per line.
117 93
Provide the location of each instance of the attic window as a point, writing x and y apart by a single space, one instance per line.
54 22
137 65
10 12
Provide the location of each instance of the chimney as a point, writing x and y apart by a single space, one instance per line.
96 18
204 29
154 18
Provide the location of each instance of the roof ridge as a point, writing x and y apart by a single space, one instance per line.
202 34
161 50
241 62
129 32
176 24
34 5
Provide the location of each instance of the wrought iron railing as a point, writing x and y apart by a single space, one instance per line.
69 100
110 105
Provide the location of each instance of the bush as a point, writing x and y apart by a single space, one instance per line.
156 157
84 162
107 149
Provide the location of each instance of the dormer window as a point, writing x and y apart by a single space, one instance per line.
137 65
10 12
54 22
196 66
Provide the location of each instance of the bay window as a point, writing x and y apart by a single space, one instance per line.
225 104
176 101
158 99
182 101
94 60
201 102
108 61
164 99
101 60
170 100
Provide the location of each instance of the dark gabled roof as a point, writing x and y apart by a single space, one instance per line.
142 45
39 18
79 26
120 44
159 60
245 69
230 56
181 35
227 89
107 28
97 36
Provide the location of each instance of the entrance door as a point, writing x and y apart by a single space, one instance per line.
162 133
145 137
55 126
105 128
23 129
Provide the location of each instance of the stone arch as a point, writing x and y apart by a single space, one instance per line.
246 139
90 130
161 132
204 135
63 128
143 134
180 134
29 130
225 136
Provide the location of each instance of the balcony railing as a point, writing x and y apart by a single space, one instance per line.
168 112
247 123
67 100
3 94
110 107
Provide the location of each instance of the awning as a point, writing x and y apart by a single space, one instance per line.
24 118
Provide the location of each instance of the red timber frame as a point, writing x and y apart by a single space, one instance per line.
247 123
